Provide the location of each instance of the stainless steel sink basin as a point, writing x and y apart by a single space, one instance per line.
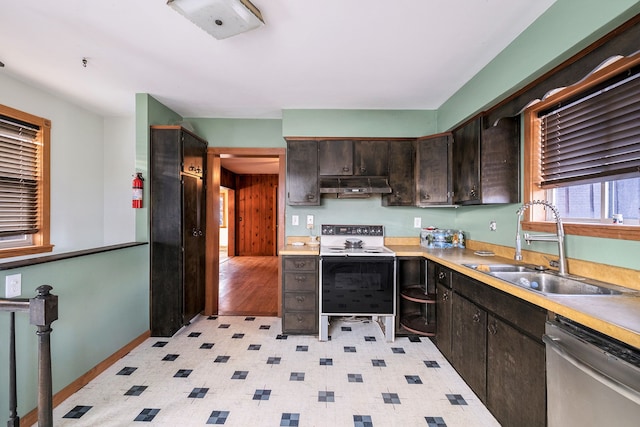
499 268
546 282
551 284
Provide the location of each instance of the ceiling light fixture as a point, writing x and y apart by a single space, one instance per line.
220 18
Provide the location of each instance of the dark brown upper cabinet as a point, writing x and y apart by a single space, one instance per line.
433 170
302 173
402 159
353 157
486 162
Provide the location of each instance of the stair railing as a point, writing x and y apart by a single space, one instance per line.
43 310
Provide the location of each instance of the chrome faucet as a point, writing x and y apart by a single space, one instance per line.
558 237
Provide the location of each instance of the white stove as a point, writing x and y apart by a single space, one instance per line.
353 240
357 276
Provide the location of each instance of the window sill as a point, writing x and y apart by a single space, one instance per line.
609 231
30 250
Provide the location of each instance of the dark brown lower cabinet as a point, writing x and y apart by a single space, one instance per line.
469 344
300 295
516 387
494 341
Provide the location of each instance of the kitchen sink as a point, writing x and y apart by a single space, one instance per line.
499 268
551 284
546 282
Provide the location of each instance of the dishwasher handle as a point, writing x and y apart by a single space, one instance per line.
617 386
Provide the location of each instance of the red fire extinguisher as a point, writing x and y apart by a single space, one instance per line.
138 186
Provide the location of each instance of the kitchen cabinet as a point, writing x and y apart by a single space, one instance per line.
486 162
497 349
302 173
353 157
402 159
177 236
415 313
444 309
300 295
433 170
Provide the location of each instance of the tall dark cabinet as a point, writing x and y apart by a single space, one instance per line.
177 211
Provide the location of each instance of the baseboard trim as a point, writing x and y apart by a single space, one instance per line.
32 417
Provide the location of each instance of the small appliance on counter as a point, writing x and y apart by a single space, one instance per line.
432 237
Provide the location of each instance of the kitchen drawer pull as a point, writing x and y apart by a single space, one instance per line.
300 319
300 264
301 278
442 275
300 299
493 329
445 296
476 317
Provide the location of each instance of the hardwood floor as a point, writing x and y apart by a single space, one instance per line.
249 286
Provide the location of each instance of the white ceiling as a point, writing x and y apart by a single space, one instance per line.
311 54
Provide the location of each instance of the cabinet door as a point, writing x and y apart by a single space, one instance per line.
443 320
466 163
500 160
302 173
371 158
516 387
192 154
402 157
433 174
336 157
193 241
469 344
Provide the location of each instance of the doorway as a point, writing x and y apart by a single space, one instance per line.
249 164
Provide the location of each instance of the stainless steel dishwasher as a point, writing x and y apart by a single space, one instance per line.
592 379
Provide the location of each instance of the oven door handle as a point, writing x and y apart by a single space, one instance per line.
555 344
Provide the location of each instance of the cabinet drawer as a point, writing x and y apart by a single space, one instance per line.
525 316
304 322
299 301
300 263
442 275
294 281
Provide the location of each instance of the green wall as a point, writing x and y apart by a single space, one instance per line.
258 133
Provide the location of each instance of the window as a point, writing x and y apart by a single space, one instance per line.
24 183
583 149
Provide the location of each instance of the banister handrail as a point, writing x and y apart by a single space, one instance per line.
43 310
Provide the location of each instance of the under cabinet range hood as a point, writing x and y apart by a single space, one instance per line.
354 186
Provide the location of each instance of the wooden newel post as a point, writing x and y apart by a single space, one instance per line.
43 310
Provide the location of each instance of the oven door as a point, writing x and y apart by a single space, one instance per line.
357 285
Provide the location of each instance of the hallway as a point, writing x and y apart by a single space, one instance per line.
249 286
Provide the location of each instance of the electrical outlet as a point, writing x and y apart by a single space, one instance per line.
295 220
417 222
13 286
493 226
309 221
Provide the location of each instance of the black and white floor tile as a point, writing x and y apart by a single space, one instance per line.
242 371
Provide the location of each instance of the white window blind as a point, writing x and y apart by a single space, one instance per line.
19 174
594 137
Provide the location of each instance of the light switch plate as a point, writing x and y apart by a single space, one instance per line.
13 286
417 222
295 220
309 221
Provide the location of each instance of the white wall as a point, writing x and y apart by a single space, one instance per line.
92 160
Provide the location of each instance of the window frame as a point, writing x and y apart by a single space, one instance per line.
41 240
534 219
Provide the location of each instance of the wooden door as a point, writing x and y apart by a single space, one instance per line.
371 158
433 175
469 345
193 246
255 215
335 157
302 173
402 158
466 163
515 368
